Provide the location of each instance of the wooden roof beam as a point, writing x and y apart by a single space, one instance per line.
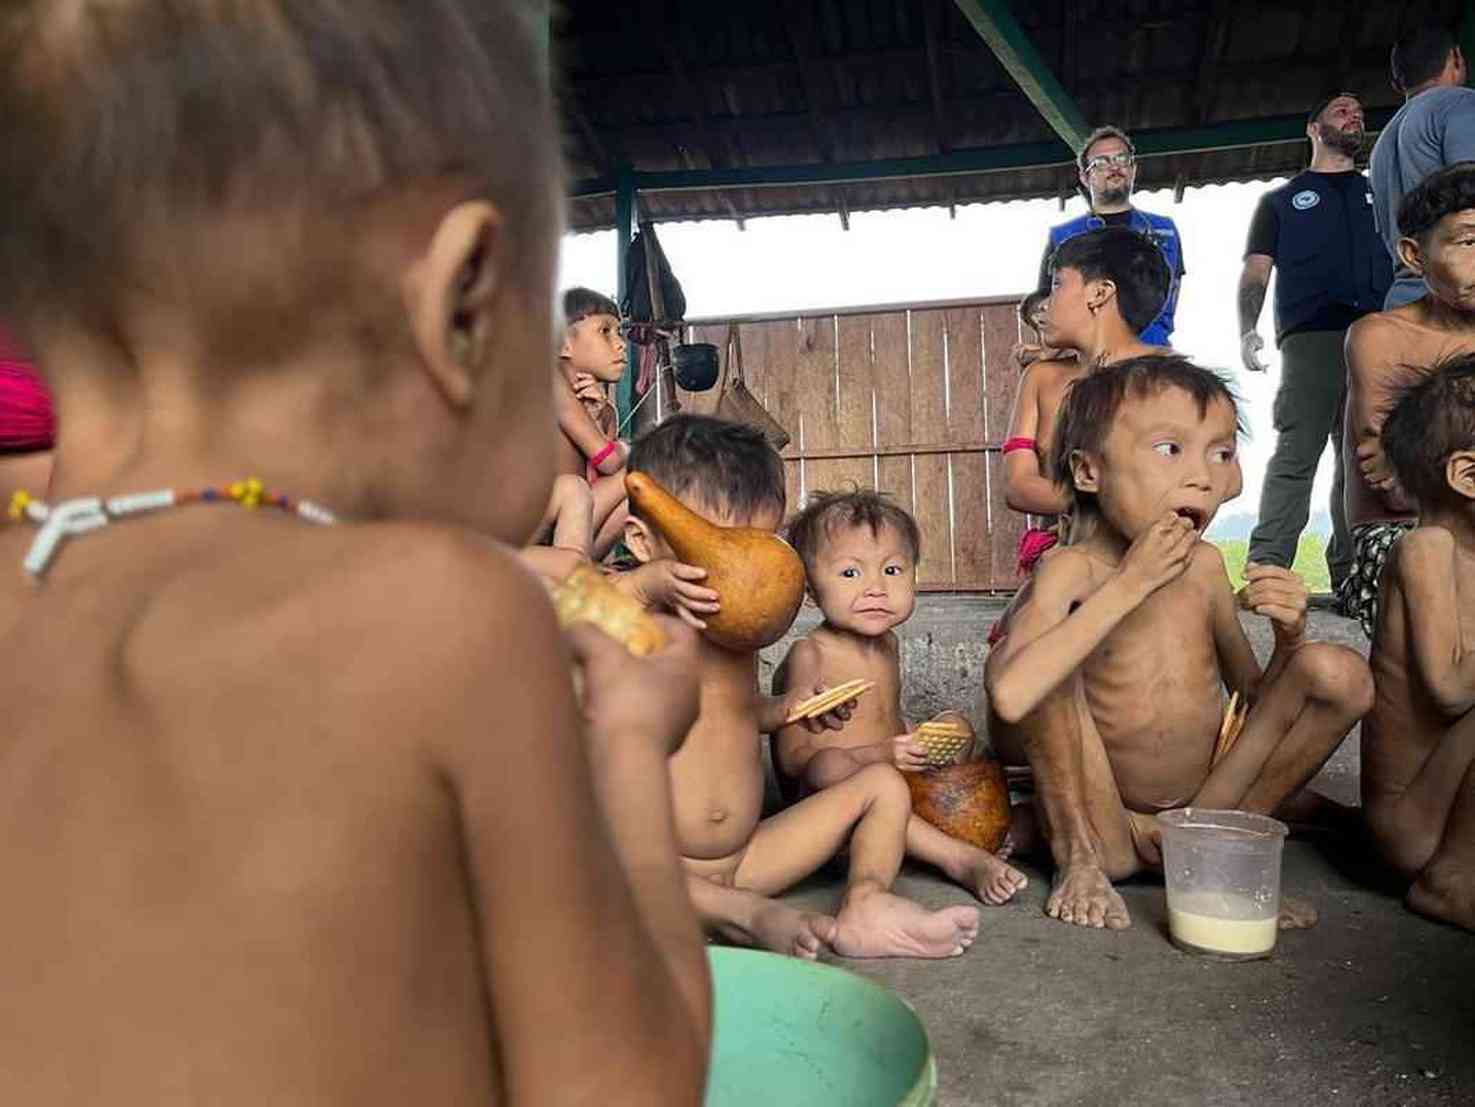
697 112
1210 57
996 25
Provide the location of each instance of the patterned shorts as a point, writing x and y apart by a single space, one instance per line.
1357 595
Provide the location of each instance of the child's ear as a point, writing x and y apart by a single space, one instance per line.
1085 473
1411 254
637 539
567 349
449 292
1459 472
1099 293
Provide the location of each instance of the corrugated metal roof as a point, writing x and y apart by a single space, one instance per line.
664 86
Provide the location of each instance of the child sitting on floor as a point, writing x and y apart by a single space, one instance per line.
1106 287
735 860
586 510
1418 743
292 812
860 553
1110 680
1389 351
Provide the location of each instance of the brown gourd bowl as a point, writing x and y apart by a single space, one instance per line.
969 801
758 577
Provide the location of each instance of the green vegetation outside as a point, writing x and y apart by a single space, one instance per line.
1310 561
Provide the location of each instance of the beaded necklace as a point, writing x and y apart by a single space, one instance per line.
71 518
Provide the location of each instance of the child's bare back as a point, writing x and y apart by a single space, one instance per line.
225 799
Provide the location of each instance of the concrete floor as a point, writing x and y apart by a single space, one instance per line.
1374 1006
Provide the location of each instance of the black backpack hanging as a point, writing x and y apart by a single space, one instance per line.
636 305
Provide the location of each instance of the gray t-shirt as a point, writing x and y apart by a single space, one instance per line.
1434 129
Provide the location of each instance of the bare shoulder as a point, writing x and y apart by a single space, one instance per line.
1208 561
1381 340
1068 574
803 656
1422 550
349 621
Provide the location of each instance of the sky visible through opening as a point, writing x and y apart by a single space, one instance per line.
795 262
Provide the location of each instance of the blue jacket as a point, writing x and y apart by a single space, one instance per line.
1161 230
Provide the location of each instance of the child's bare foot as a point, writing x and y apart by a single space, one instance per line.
1443 893
884 925
992 880
1081 894
1296 914
779 928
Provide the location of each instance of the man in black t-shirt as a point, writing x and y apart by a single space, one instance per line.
1317 231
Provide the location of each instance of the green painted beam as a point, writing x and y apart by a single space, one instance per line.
1036 155
996 25
625 189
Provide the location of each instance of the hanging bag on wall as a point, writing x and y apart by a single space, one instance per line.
736 403
652 292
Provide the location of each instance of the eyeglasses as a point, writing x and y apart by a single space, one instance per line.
1103 161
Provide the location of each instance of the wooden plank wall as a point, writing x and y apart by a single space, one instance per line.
914 401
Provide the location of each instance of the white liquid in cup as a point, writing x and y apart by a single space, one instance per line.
1221 922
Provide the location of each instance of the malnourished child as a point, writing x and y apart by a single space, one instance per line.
1418 743
860 553
1111 679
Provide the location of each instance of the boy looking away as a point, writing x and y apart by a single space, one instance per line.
735 860
1391 350
860 554
1418 743
1110 680
259 784
1106 286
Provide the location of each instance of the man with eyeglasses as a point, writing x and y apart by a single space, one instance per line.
1108 169
1318 233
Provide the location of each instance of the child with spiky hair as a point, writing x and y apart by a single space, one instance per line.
1418 742
1110 681
860 552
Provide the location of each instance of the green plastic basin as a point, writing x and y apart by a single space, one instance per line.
793 1033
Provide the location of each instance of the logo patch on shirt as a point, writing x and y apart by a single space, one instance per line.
1305 200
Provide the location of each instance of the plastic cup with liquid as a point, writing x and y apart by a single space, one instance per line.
1222 870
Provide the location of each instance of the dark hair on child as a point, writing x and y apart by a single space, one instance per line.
1443 192
131 126
1129 260
1091 405
725 466
1431 420
1419 56
824 512
1031 304
580 303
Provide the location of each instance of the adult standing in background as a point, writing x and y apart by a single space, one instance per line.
1108 170
1434 128
1317 231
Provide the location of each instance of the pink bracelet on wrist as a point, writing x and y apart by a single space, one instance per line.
599 458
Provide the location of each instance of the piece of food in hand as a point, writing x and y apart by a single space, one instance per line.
947 741
586 596
1235 713
829 699
969 801
758 576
